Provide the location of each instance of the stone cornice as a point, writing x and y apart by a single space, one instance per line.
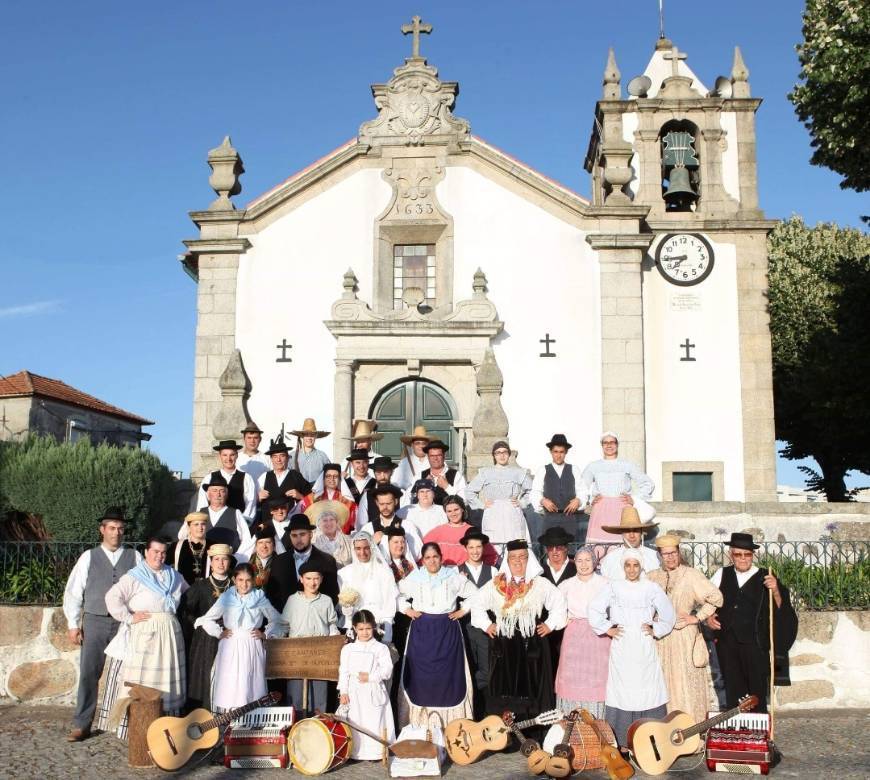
678 104
409 329
199 218
714 508
723 225
218 246
619 241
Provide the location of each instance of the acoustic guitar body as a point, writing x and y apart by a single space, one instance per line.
173 741
468 740
656 743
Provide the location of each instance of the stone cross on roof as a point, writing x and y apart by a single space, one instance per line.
675 55
416 27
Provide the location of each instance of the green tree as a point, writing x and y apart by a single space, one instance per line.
834 99
819 315
69 485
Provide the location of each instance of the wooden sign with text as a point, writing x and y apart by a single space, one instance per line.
310 658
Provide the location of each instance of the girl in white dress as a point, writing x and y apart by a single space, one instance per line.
239 673
364 673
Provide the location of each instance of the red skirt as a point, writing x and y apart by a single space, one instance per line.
607 511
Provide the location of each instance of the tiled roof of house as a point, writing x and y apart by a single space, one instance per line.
25 383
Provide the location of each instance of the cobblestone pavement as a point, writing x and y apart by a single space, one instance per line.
817 744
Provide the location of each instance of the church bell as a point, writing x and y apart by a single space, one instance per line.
680 193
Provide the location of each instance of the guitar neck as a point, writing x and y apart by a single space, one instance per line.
704 725
227 717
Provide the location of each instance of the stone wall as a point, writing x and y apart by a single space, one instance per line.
830 662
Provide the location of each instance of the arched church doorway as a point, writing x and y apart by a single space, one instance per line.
398 408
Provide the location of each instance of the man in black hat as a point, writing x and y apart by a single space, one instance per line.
383 469
242 490
284 578
557 569
282 481
387 500
250 459
84 605
222 517
447 481
742 623
355 484
557 493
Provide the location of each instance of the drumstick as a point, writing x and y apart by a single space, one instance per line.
407 748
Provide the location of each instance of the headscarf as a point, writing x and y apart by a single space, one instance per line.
339 548
533 567
593 553
633 552
151 579
365 571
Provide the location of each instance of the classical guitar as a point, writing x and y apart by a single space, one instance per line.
559 764
617 767
656 744
536 758
173 741
468 740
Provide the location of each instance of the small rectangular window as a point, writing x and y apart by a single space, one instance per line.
693 485
413 267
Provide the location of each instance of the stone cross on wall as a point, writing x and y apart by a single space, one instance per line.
416 27
675 55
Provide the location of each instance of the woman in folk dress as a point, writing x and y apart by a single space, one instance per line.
502 491
364 669
240 664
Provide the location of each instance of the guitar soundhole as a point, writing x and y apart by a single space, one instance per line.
194 731
676 738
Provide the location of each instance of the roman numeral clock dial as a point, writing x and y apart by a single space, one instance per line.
684 259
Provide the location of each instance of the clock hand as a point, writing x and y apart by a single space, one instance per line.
677 259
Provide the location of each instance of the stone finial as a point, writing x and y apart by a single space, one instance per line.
415 29
479 284
226 167
490 422
739 75
235 391
350 285
612 90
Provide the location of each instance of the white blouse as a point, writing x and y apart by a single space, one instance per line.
435 594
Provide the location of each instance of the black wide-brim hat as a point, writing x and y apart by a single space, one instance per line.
555 537
559 440
471 534
360 453
276 447
300 523
112 513
227 444
387 490
383 463
436 444
743 542
217 480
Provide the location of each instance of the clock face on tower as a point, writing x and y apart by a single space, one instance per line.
684 258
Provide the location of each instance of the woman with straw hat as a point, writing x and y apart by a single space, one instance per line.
609 483
307 459
329 517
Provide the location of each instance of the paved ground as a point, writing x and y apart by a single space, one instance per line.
818 744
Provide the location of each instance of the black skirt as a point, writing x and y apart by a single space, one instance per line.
520 676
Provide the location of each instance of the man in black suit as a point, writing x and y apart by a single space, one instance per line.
284 580
557 569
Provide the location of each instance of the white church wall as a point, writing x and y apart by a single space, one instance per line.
730 166
287 283
693 409
543 278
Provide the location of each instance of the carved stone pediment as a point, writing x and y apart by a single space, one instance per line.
415 108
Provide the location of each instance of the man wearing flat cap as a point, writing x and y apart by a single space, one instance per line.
743 628
558 494
89 622
241 488
632 529
284 578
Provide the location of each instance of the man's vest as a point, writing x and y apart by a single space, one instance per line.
560 490
740 611
440 493
102 575
227 521
236 492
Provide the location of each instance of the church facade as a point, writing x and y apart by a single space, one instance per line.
442 282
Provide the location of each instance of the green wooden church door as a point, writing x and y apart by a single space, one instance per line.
415 402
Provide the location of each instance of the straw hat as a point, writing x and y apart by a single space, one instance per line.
365 429
629 521
419 434
196 516
309 428
314 512
667 540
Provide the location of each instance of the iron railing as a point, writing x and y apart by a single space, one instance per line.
823 575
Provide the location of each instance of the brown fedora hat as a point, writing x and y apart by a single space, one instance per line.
418 434
309 428
365 429
629 521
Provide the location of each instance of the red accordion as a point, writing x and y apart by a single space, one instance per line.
741 745
258 740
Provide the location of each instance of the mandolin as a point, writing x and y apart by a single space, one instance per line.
656 744
617 767
559 764
173 741
468 740
536 759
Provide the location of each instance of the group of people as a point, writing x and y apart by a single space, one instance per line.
385 554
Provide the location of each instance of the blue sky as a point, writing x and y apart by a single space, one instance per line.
110 108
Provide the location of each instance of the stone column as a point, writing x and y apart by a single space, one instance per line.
343 408
620 257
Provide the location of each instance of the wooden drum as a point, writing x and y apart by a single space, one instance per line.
317 745
585 747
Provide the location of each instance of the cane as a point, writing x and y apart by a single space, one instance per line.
772 654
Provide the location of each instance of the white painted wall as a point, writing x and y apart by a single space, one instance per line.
287 283
693 410
543 278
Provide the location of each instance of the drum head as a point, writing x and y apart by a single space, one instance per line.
310 746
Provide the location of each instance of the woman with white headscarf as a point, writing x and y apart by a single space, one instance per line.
633 612
367 583
329 517
610 482
518 609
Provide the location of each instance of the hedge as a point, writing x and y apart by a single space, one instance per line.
68 486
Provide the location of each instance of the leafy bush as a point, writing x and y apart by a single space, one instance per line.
70 485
